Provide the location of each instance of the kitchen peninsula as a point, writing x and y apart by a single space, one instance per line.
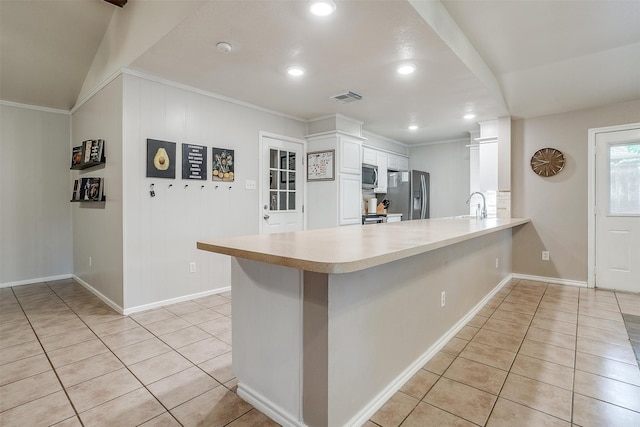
328 324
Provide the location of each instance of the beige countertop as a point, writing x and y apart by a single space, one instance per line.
357 247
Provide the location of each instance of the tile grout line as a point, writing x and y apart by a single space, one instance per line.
597 374
116 356
46 354
194 365
516 353
133 374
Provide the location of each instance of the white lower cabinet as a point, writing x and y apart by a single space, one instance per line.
349 208
394 218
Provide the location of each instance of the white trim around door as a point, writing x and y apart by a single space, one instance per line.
591 196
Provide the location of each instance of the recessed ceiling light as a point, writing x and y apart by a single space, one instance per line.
224 47
295 71
406 68
413 127
469 116
322 7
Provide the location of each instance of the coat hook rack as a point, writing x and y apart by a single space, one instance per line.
230 187
152 192
216 187
201 187
186 185
170 185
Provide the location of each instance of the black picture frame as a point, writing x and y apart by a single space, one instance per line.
161 159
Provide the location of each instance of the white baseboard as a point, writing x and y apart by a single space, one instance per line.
162 303
267 407
99 294
376 403
555 280
108 301
38 280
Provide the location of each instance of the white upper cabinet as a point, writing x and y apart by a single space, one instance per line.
397 163
403 163
392 162
384 161
381 162
349 156
369 156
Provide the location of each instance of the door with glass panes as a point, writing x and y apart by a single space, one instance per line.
282 184
618 210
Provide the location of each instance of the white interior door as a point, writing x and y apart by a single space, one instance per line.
617 237
283 183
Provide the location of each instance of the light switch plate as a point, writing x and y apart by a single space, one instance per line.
250 184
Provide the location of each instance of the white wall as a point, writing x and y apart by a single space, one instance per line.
97 227
35 220
448 166
160 233
557 205
132 31
377 141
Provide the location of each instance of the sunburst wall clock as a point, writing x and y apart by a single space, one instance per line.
547 161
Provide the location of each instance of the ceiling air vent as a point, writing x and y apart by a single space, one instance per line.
346 97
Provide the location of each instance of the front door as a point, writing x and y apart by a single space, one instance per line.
282 192
617 211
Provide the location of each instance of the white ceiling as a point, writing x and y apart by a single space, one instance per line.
513 57
47 47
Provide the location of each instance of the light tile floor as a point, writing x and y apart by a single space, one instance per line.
535 355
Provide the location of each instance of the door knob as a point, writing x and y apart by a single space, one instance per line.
266 216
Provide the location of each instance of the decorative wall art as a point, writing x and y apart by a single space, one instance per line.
161 159
222 164
194 162
321 165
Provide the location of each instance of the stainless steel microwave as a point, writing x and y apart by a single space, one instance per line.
369 177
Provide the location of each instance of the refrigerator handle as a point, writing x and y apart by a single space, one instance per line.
423 205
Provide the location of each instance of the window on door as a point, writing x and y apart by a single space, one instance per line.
624 179
282 180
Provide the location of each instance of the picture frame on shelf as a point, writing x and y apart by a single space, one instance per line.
89 154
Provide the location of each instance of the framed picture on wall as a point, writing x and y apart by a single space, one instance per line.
161 159
321 165
194 162
223 164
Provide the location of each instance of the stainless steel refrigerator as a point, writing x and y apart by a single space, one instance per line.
408 194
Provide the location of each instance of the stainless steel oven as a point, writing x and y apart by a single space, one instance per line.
374 218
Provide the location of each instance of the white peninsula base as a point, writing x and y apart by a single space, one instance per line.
320 348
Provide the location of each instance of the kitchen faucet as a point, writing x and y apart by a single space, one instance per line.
484 203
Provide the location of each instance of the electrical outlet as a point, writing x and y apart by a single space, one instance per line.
545 255
443 298
192 267
497 262
89 261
